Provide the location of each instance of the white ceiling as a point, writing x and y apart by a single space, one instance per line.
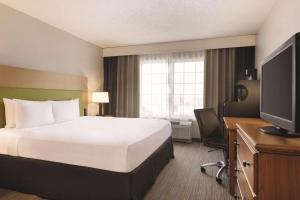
109 23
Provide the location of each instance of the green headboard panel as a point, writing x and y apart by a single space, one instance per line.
38 95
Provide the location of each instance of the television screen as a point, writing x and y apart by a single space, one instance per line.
277 85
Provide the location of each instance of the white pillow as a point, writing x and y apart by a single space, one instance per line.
65 110
33 113
9 106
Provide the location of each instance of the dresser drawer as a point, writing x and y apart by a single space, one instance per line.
247 158
243 188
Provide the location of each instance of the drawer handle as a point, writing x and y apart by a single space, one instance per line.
245 163
236 196
236 170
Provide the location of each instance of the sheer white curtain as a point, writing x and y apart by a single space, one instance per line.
171 85
154 87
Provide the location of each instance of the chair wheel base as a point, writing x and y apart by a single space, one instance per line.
219 180
202 169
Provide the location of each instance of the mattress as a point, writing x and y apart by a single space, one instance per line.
107 143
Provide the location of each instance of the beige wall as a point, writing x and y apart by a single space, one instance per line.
190 45
282 23
29 43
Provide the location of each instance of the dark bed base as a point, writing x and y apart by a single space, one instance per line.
60 181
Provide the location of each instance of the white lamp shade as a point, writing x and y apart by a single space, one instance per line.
100 97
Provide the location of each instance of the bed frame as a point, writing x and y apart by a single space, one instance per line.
52 180
59 181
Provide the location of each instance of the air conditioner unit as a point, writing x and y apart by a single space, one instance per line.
181 131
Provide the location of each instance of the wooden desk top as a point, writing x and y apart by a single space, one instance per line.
269 143
230 122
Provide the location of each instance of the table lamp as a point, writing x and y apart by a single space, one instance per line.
100 97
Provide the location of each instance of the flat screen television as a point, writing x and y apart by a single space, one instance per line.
280 89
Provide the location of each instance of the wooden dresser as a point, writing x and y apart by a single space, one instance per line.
268 167
231 129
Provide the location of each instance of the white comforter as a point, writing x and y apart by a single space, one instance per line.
114 144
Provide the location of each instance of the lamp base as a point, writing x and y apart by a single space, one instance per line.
100 110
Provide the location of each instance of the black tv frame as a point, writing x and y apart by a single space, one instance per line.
283 125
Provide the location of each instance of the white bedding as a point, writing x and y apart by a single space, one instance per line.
114 144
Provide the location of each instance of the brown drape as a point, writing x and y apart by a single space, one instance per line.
219 78
128 91
121 80
226 77
244 59
110 86
211 79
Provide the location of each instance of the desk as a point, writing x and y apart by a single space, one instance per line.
231 129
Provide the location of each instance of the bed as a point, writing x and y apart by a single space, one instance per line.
86 158
113 144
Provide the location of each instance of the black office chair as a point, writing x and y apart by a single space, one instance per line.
211 136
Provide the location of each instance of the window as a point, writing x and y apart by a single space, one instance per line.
171 85
155 90
188 88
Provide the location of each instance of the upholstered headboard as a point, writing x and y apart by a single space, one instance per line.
37 85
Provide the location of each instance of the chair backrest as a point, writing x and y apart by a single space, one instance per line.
208 122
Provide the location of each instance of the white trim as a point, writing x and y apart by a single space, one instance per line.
181 46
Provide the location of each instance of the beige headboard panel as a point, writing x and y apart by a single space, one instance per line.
18 83
28 78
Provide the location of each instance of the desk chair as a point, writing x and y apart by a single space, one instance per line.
211 136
